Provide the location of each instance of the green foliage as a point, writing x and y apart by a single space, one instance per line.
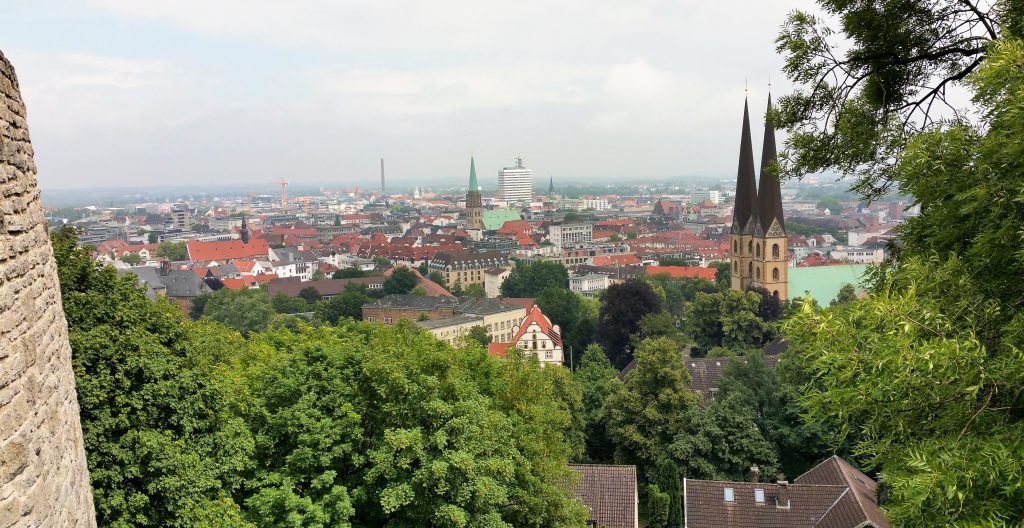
528 280
864 93
131 258
162 444
172 250
659 324
318 275
424 268
244 310
622 307
923 379
284 304
644 414
679 292
723 274
310 294
657 507
594 377
349 273
831 204
847 294
475 290
479 335
727 319
574 315
418 291
401 281
347 304
438 278
373 425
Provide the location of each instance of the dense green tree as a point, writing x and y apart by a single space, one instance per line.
310 294
726 319
478 334
246 310
923 382
436 277
374 425
679 292
172 250
475 290
284 304
161 441
769 308
646 412
722 443
833 205
659 324
528 280
419 291
594 377
847 294
319 275
131 258
872 74
723 274
347 304
657 507
349 273
622 307
424 268
401 281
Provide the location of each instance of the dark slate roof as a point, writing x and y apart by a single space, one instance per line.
413 302
609 492
705 504
148 277
854 508
474 306
432 324
291 286
769 192
184 283
469 259
746 181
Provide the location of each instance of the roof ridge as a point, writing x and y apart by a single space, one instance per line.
839 498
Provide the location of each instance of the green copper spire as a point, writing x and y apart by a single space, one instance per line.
472 175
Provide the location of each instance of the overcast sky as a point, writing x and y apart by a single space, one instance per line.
182 92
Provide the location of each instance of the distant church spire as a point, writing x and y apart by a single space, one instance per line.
746 184
551 187
769 192
472 175
244 231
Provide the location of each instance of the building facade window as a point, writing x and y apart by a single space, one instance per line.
775 251
775 274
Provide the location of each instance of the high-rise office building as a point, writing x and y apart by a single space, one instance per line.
515 184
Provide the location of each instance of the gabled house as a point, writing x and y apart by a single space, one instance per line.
610 493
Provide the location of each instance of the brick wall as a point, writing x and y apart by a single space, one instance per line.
44 480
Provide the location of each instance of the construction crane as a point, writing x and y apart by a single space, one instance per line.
305 204
284 195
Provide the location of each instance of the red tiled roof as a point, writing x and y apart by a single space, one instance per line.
536 316
511 227
433 289
613 260
609 492
226 250
526 302
248 282
498 350
245 266
683 272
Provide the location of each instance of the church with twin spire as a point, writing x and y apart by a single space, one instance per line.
758 234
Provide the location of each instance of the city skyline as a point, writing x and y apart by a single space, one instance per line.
123 93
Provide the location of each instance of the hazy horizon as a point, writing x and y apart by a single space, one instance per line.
191 92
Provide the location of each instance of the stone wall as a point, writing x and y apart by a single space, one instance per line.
44 480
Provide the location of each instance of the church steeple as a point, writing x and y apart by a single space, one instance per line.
769 192
473 186
746 184
244 231
474 202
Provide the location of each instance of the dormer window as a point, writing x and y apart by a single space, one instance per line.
759 495
730 495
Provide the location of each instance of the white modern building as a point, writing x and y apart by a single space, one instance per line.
597 204
515 184
562 235
697 197
589 285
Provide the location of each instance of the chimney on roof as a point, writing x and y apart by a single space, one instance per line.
755 474
782 499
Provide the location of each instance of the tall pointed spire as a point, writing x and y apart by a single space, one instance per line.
551 186
244 231
769 191
472 175
746 184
